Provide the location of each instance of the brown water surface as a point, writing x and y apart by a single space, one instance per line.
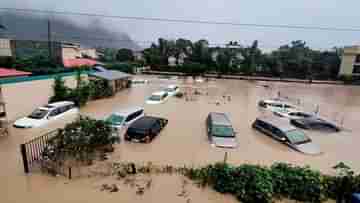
184 140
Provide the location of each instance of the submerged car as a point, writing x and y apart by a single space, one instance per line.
43 115
282 131
139 81
145 129
157 97
220 131
125 117
315 123
168 77
292 113
172 90
274 105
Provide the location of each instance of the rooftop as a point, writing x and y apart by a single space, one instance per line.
220 119
110 75
159 93
127 111
70 63
281 123
6 72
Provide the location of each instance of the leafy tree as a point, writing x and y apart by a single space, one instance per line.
125 55
109 55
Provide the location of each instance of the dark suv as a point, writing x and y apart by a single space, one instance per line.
145 129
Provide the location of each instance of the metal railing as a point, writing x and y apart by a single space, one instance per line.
32 150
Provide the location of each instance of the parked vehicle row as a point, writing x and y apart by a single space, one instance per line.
282 131
298 118
161 96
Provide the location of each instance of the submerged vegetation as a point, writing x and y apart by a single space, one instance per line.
253 183
84 91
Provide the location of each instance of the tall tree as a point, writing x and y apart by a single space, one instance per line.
125 55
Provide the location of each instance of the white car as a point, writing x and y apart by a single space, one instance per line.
157 98
292 113
43 115
139 81
172 90
125 117
273 105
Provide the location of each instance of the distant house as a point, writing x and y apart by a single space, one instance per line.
7 47
350 62
117 80
73 63
181 59
73 55
138 56
172 61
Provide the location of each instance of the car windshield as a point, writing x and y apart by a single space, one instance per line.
222 131
38 114
155 97
297 137
115 119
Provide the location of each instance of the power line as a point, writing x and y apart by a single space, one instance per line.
136 18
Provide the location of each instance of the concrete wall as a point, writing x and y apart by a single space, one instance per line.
70 53
5 47
347 64
23 97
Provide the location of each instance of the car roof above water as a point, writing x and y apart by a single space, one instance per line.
144 123
57 104
219 119
280 123
127 111
159 93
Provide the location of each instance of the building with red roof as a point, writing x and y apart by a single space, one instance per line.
7 73
77 62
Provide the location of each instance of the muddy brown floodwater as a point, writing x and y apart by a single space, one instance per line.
184 140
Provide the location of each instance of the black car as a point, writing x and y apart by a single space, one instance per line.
145 129
314 123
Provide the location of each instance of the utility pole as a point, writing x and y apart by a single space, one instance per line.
49 41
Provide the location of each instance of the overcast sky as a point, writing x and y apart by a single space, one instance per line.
324 13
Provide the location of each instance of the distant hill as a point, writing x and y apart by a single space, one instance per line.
30 27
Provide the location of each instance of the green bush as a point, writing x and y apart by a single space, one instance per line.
298 183
83 92
123 67
100 89
80 139
252 183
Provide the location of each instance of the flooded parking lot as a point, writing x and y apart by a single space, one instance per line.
184 139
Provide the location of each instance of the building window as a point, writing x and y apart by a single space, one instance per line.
356 69
357 58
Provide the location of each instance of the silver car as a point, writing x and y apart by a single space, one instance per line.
281 130
220 131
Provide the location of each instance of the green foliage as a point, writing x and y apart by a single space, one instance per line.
109 55
298 183
347 78
252 183
60 90
295 60
83 92
80 139
100 89
39 65
123 55
123 67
